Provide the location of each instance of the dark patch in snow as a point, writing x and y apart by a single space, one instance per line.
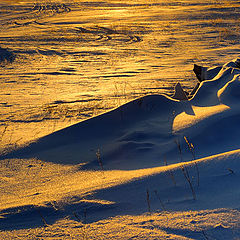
27 217
6 55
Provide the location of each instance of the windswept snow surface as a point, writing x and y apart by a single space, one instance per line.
154 168
63 61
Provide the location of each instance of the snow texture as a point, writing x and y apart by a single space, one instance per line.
161 167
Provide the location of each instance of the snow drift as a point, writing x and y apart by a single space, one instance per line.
143 132
156 153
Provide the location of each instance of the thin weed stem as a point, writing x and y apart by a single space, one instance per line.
192 150
161 202
42 217
179 149
170 172
99 158
188 179
205 235
76 216
148 201
85 216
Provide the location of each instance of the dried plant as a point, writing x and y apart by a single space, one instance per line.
148 201
171 175
179 149
42 217
161 202
188 179
230 170
99 158
192 150
85 216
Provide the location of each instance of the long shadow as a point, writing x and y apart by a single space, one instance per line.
28 216
127 199
115 126
84 211
80 142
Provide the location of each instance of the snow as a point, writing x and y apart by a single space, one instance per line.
96 142
154 168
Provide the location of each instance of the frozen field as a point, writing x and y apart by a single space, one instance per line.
68 61
112 155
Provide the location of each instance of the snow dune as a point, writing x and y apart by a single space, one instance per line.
148 128
176 159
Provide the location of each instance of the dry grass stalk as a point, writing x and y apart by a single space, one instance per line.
230 170
148 201
42 217
170 172
99 158
85 216
187 177
76 216
179 149
192 150
161 202
205 235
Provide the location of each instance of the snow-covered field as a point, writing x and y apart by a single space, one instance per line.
152 165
